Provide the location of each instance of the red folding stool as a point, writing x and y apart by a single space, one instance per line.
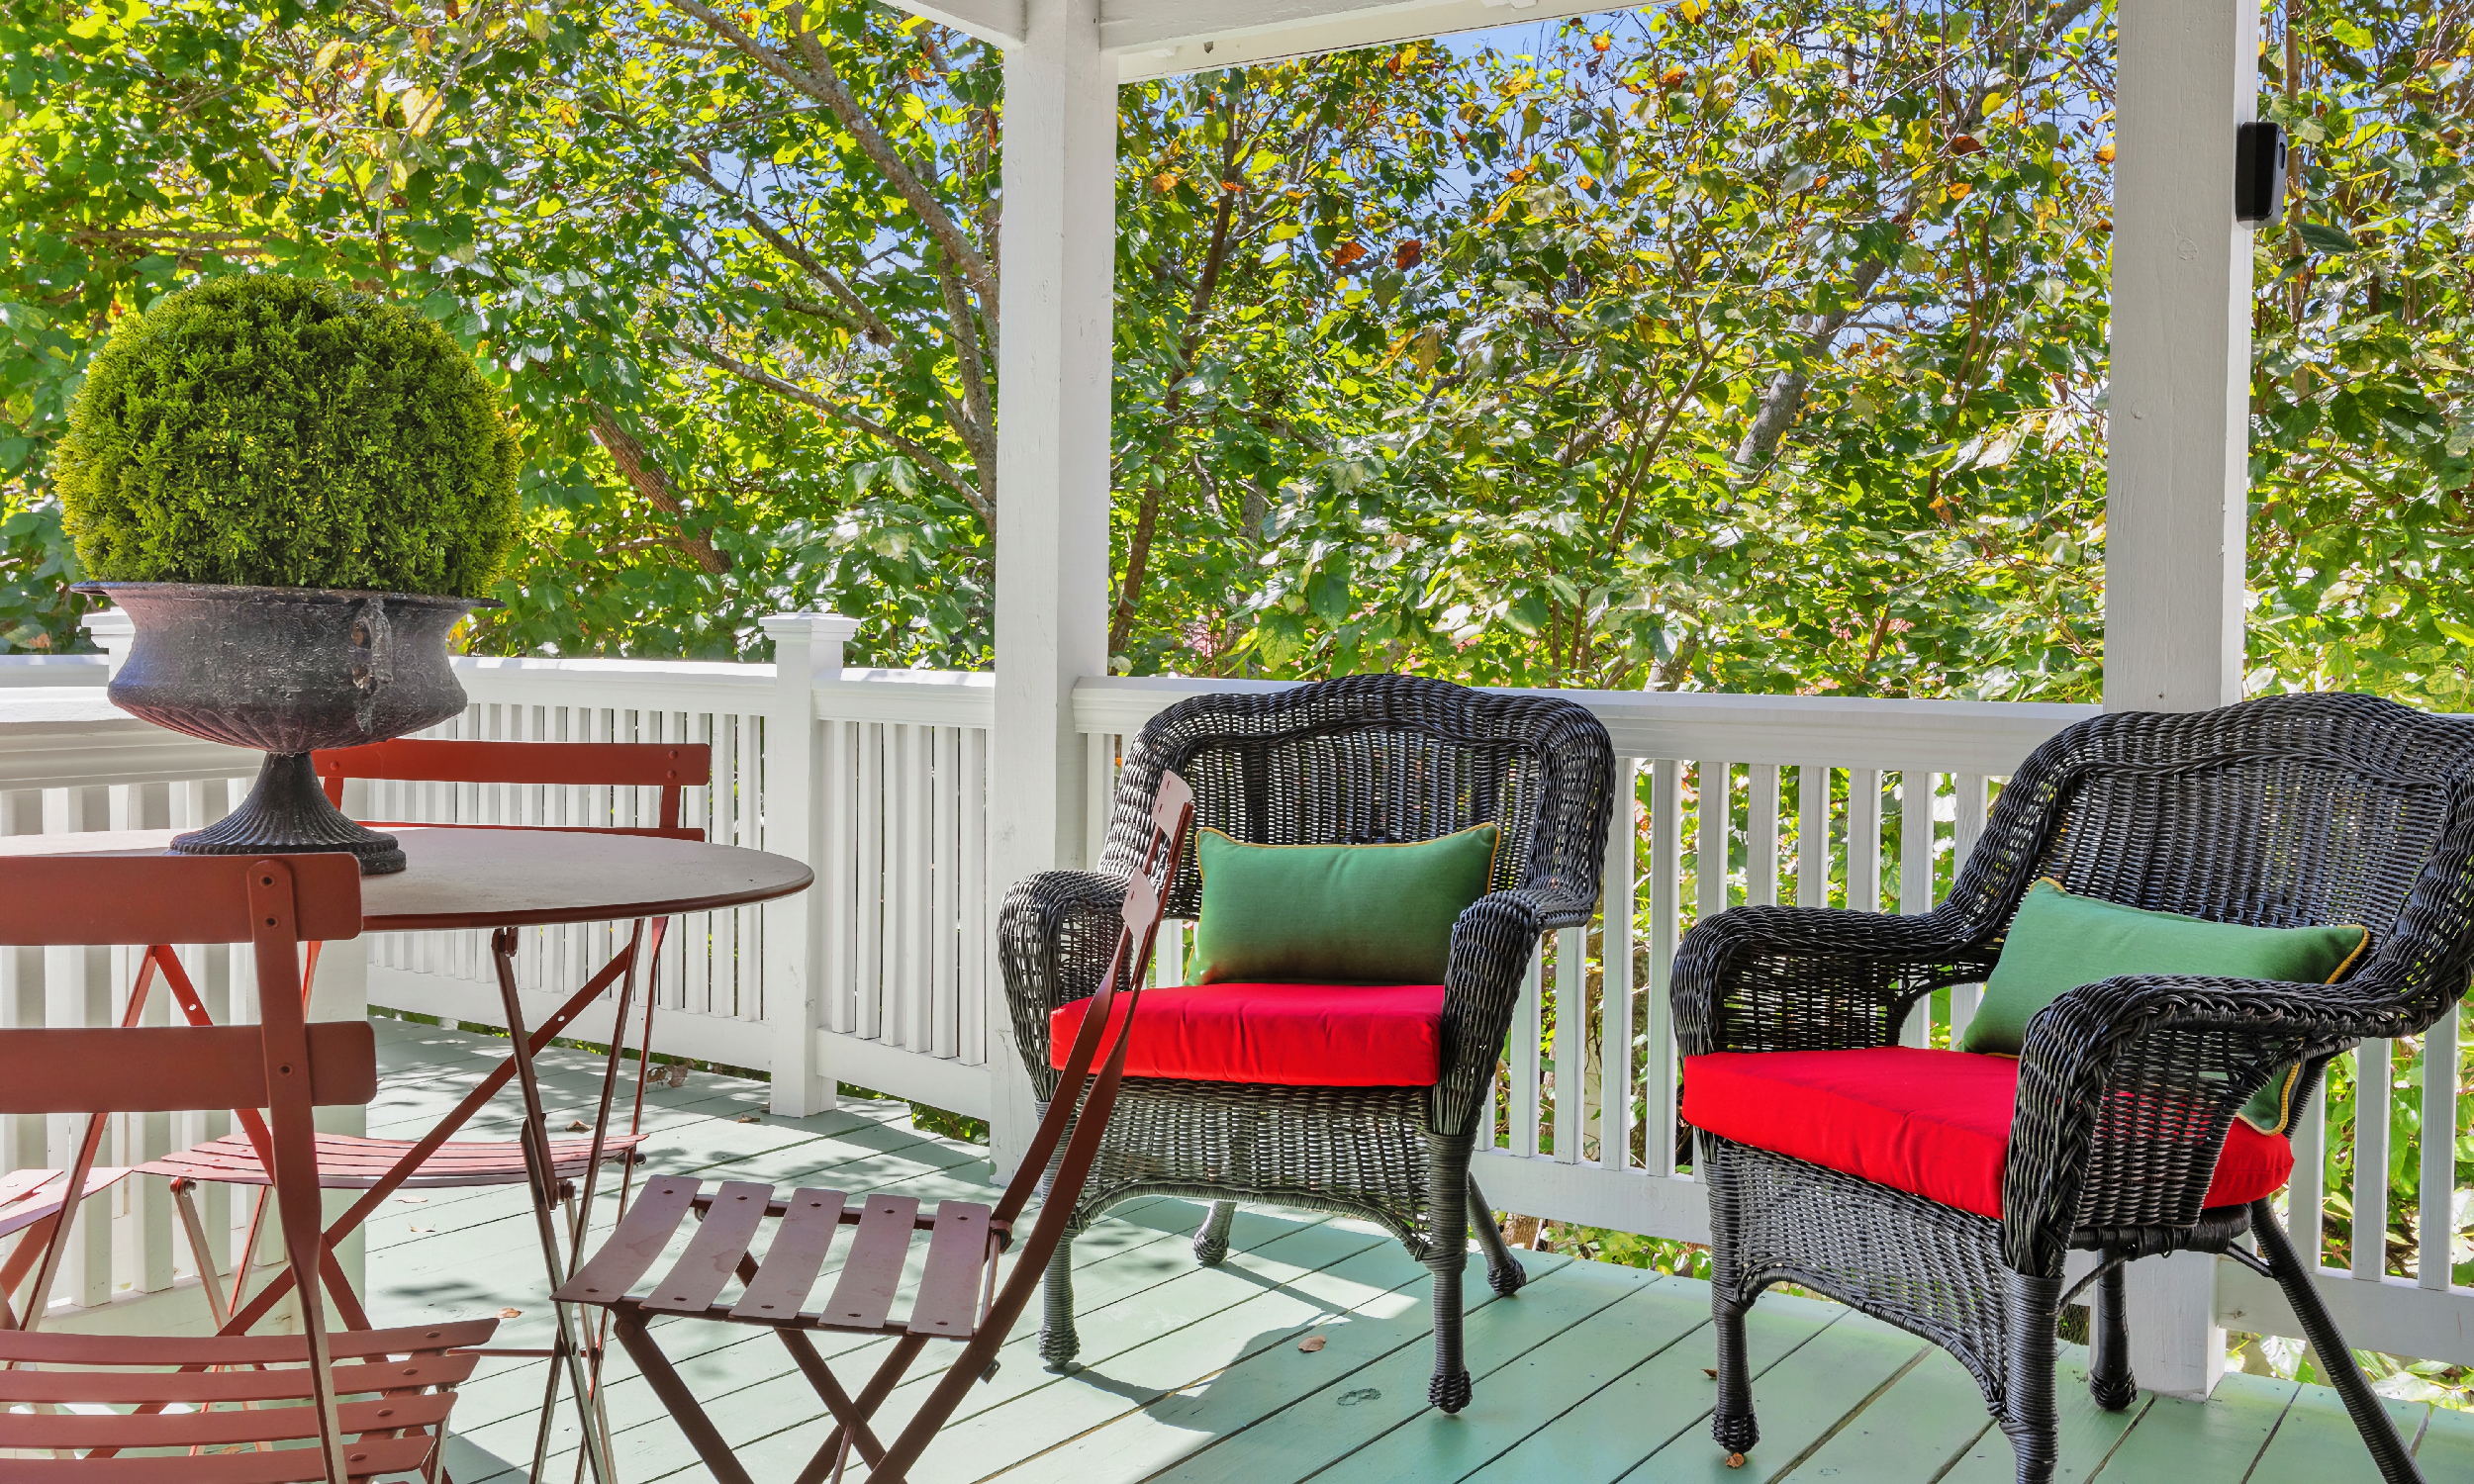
959 1297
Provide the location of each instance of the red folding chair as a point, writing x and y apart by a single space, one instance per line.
959 1297
75 1407
378 1167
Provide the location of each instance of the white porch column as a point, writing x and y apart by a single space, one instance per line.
1058 258
806 647
2178 422
2178 467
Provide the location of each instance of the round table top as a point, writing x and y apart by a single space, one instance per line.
512 877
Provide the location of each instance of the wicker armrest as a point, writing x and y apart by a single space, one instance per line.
1815 978
2127 1088
1492 945
1055 936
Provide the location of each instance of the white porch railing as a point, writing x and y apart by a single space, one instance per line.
899 994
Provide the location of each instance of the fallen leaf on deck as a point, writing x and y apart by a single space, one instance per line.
1710 1371
509 1313
578 1126
750 1118
414 1200
1312 1343
1734 1460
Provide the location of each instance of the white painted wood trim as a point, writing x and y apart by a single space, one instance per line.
1163 37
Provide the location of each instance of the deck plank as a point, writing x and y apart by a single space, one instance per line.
2201 1442
1800 1402
2315 1441
1909 1432
1332 1421
2088 1433
1665 1398
2447 1450
1517 1399
1593 1374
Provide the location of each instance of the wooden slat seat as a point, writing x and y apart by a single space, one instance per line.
963 1243
349 1162
958 1292
28 1196
958 1296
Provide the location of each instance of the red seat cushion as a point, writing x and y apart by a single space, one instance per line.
1294 1034
1931 1123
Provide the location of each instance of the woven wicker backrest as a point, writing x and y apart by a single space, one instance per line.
1375 757
2278 812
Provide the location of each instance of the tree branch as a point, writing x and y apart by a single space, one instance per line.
653 482
819 80
1783 400
918 453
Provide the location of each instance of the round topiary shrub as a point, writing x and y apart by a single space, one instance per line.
290 434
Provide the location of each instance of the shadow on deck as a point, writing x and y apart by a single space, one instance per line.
1594 1374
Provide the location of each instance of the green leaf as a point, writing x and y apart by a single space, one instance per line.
2322 236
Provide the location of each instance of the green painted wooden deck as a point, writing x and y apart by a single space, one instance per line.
1594 1374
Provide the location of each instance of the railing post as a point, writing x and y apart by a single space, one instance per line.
807 648
115 631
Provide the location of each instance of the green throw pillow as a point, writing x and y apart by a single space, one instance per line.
2060 941
1346 914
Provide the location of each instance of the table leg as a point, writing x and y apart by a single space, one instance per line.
544 1198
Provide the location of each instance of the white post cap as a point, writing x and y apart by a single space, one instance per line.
115 631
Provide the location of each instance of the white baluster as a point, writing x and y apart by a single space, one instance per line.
1812 835
1617 897
1915 877
1760 836
1665 925
2439 1150
2374 1069
1863 839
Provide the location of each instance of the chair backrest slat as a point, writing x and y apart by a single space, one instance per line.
126 898
431 760
176 1069
670 767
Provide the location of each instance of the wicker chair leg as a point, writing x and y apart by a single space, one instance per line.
2028 1415
1732 1424
1447 1257
2109 1379
1058 1343
1504 1274
1212 1243
1451 1388
2370 1419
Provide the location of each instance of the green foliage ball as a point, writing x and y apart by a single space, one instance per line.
285 432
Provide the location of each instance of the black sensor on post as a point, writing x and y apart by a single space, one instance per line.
2258 172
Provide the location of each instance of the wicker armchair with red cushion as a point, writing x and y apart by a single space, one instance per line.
1364 1099
1941 1190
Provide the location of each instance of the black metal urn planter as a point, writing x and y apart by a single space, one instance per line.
288 670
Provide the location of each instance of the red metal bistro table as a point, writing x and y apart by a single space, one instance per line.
502 880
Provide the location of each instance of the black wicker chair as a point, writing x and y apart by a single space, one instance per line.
2277 813
1358 759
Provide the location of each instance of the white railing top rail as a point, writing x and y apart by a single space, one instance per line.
70 736
20 669
1955 736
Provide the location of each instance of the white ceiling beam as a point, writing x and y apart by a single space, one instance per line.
997 22
1163 37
